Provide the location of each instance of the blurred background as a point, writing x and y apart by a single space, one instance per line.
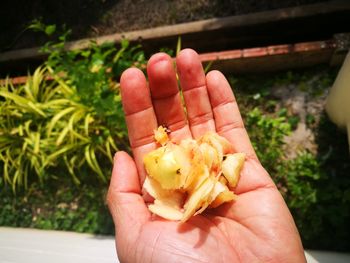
61 118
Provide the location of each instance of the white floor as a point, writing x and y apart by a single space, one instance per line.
19 245
313 256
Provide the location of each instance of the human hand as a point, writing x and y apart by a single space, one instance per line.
257 227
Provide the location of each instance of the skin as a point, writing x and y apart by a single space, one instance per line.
257 227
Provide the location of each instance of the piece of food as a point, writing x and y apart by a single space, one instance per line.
186 178
231 167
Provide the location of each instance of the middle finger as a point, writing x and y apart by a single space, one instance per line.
166 98
193 84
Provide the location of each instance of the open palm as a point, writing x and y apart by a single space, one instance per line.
257 227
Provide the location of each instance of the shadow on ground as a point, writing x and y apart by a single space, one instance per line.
330 214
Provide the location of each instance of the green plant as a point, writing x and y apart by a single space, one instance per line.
59 205
41 127
73 120
318 201
315 185
317 192
23 115
267 133
38 26
299 173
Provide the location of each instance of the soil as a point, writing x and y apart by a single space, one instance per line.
303 105
303 94
89 18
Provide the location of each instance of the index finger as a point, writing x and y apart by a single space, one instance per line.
195 93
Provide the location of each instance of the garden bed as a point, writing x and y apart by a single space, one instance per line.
62 186
304 152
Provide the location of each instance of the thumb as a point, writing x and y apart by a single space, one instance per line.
125 203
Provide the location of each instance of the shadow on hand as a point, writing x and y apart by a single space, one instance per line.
198 223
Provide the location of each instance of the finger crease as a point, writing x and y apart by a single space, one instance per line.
195 87
201 118
136 112
237 125
142 145
147 139
224 103
165 97
177 125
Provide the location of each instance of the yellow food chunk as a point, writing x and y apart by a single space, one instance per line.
165 211
232 166
161 136
223 197
163 166
197 199
186 178
170 197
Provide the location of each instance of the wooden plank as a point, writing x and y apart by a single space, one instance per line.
261 59
272 58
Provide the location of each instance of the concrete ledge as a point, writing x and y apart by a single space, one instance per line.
296 24
42 246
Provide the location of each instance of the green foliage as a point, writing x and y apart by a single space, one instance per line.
42 127
267 134
93 73
38 26
316 186
319 202
59 205
300 172
71 122
315 189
